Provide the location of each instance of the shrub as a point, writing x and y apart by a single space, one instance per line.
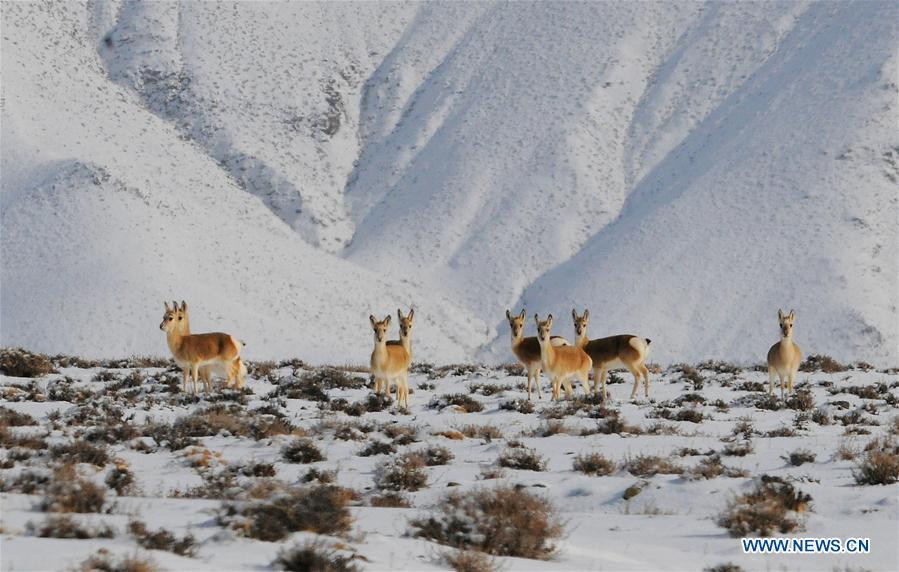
254 469
800 457
461 401
320 508
389 500
377 448
880 465
120 478
436 455
768 509
503 521
712 467
649 465
823 363
401 434
486 432
10 418
738 449
821 417
523 459
80 452
324 477
689 414
801 400
162 539
593 464
519 405
403 473
313 556
726 567
17 362
63 526
102 561
65 492
469 561
302 451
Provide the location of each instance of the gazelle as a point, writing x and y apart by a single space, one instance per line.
623 350
389 362
562 363
207 371
784 356
192 351
527 350
405 341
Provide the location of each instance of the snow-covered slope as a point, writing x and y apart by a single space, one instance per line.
682 169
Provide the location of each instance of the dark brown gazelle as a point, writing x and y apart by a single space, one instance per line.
624 350
784 357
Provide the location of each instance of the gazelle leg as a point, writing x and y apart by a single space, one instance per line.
537 373
194 373
585 381
530 376
790 381
184 374
601 379
770 381
645 371
781 385
569 392
636 375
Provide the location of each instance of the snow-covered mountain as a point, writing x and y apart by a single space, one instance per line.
682 169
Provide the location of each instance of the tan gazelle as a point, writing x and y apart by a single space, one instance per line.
784 356
206 372
561 363
623 350
193 351
527 350
389 362
405 340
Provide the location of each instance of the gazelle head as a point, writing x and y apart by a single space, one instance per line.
580 322
516 323
380 328
171 319
786 322
544 327
405 322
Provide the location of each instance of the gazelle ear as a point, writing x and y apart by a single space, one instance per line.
586 314
399 314
574 314
508 314
780 314
387 319
411 313
792 314
537 319
523 314
549 320
183 306
372 320
166 304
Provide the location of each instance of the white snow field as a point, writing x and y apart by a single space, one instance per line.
682 169
190 459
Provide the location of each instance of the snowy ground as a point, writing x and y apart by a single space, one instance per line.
669 525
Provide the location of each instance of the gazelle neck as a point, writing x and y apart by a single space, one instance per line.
582 340
547 351
174 339
406 342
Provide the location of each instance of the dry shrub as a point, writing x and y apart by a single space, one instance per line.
800 457
712 467
302 451
550 428
376 447
255 469
389 500
593 464
66 492
319 508
324 477
451 434
738 449
720 367
313 556
770 508
436 455
725 567
503 521
63 526
403 473
823 363
401 434
80 452
469 561
649 465
821 417
801 400
461 401
120 478
17 362
880 465
519 405
103 561
162 539
523 459
486 432
10 418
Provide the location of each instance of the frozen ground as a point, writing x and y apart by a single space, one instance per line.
182 482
